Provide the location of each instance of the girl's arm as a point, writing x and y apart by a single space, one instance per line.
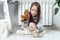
40 24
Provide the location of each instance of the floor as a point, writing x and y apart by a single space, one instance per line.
52 33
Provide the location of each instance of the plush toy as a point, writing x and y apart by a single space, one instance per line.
26 16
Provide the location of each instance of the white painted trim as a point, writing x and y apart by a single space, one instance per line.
6 14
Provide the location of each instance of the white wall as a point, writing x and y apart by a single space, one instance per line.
57 19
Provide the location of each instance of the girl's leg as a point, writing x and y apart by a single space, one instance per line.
33 29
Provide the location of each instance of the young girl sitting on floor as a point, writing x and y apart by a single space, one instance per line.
35 22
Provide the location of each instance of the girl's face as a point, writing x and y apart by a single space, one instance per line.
34 10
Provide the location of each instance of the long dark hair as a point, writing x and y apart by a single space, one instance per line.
39 11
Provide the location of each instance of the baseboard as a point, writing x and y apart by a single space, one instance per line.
47 25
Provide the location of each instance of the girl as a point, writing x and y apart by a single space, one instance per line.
35 21
35 18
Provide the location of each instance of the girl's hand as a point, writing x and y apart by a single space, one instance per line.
33 26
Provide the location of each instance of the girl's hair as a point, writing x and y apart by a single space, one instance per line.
38 10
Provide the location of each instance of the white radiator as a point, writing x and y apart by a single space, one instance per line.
46 9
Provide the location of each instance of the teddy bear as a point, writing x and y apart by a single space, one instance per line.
26 16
